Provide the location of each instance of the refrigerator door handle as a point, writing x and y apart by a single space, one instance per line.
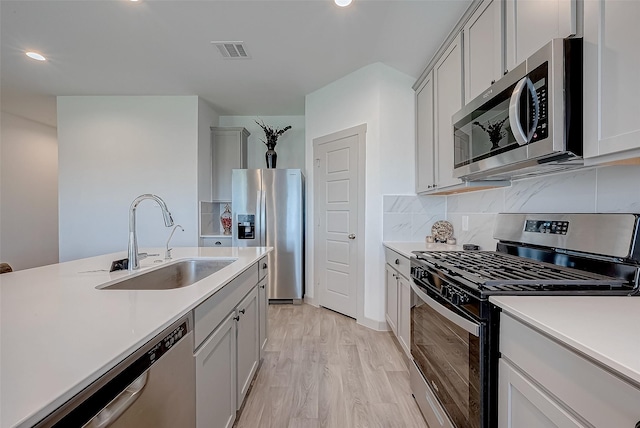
263 217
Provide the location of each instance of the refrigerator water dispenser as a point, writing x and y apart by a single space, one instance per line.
246 226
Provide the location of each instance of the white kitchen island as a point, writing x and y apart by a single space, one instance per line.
58 333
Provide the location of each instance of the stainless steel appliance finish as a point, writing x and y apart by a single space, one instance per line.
538 254
446 349
528 122
611 235
154 387
268 210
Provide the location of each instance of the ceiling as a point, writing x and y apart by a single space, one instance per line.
154 47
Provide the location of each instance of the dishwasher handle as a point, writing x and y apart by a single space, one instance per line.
118 405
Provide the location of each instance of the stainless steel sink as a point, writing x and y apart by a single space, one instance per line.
175 275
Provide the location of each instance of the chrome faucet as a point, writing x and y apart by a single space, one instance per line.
167 253
134 262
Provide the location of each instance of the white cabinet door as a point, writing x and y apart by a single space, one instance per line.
425 161
448 84
263 312
247 343
611 70
392 299
228 151
216 378
404 314
522 404
531 24
483 58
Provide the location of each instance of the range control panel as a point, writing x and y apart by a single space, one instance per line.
547 226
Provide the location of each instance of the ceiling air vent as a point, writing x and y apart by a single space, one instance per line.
232 50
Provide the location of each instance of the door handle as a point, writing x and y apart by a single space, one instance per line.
122 402
352 236
519 133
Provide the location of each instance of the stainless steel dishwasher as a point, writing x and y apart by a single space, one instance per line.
154 387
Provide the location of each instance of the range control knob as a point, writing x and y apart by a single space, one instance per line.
455 298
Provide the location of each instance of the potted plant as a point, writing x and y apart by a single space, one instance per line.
272 134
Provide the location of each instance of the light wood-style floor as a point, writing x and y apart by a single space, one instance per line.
321 369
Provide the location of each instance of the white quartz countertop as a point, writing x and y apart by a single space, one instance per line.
58 333
405 248
602 328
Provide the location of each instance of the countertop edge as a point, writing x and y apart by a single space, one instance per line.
599 357
406 248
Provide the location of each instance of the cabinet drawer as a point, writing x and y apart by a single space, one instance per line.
398 261
598 396
263 268
216 242
215 309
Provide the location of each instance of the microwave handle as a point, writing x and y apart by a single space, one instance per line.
519 134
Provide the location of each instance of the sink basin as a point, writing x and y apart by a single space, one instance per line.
175 275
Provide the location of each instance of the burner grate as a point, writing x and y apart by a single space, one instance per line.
504 272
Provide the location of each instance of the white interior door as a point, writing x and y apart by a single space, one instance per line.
337 219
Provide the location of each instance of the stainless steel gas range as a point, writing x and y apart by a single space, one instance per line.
454 328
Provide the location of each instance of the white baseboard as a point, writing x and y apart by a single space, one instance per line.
373 324
310 301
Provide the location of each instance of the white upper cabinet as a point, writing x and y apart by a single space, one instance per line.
531 24
483 48
228 151
611 70
448 96
425 165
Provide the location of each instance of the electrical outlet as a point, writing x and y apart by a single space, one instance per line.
465 223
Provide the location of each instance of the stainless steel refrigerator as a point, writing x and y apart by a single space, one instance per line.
268 211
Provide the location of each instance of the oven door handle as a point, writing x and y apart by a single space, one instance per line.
469 326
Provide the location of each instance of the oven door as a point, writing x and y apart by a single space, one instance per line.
446 347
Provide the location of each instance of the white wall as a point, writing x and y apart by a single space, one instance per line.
114 148
28 193
382 98
290 147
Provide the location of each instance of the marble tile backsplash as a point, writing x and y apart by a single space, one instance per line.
605 189
409 218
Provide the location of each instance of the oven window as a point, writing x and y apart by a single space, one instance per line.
449 358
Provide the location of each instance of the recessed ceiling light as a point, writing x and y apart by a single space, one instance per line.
36 56
343 3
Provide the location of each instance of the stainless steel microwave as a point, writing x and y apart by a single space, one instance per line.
528 122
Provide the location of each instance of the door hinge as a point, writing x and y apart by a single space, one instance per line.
317 163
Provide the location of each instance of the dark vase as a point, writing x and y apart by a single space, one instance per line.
271 156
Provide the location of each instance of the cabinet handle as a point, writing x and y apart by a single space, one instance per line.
397 261
262 286
241 311
218 243
493 81
236 318
264 265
